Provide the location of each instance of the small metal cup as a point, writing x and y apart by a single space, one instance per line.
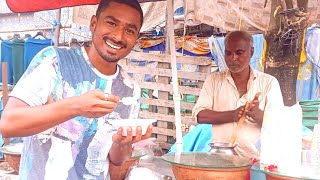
222 148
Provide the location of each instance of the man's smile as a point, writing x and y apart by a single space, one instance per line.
113 46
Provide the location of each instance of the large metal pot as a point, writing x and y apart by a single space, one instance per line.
222 148
12 154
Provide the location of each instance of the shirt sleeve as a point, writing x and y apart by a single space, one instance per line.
35 85
135 107
205 100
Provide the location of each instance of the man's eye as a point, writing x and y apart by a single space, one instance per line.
111 23
130 31
240 52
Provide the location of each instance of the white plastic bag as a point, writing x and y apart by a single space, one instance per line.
138 173
281 135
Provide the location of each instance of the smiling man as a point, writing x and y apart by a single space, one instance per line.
64 101
224 94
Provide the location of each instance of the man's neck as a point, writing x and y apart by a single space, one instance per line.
242 76
241 81
106 68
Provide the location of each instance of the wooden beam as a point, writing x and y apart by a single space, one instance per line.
168 88
166 58
186 119
166 72
166 103
165 131
164 95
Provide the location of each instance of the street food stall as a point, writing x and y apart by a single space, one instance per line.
185 165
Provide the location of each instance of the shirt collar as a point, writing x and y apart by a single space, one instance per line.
253 74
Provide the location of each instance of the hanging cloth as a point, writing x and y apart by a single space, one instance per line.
17 59
309 72
32 47
6 56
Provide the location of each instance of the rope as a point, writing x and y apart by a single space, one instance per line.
240 21
184 26
55 23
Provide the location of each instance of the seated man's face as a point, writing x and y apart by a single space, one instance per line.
237 54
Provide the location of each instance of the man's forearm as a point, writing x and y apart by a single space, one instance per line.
119 154
24 120
214 117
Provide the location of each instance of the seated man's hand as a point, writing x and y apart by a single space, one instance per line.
129 139
253 112
240 110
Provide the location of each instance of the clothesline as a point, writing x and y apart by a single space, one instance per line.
32 29
65 29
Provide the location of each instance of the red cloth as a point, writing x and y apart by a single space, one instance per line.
253 162
18 6
269 168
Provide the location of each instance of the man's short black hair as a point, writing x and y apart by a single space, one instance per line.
132 3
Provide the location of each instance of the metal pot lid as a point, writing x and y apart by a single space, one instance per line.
13 149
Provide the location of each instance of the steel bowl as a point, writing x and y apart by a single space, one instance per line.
222 148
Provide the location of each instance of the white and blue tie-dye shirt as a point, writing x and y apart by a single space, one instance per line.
77 148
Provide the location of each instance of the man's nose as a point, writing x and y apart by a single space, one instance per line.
118 34
234 56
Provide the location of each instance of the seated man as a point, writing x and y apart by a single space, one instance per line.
224 94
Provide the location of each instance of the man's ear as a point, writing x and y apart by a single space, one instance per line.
93 23
252 51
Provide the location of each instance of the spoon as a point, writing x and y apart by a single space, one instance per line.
125 100
239 126
128 100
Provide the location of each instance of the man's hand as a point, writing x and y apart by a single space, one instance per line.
129 139
96 103
253 111
121 149
239 111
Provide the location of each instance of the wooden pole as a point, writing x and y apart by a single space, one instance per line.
57 28
5 93
164 94
176 95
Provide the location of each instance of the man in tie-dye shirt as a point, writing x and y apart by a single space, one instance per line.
64 100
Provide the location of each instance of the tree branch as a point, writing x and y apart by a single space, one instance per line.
289 4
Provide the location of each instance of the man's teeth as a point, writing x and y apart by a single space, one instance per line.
113 46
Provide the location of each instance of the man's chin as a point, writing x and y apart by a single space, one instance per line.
111 58
236 70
